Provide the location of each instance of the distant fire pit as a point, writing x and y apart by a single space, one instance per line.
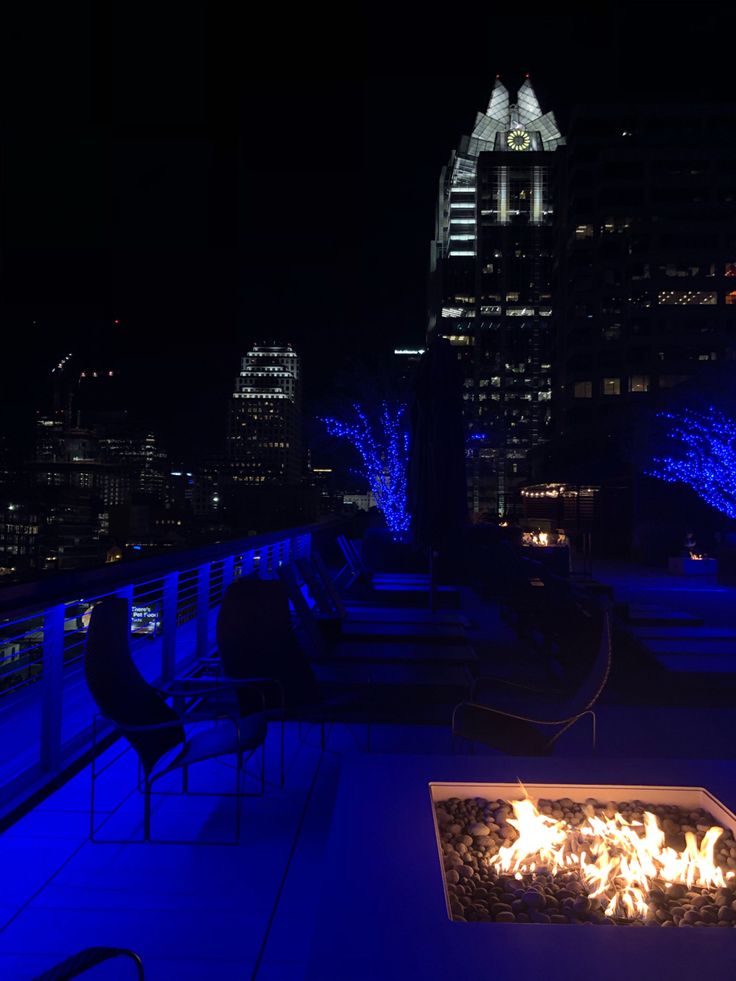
625 856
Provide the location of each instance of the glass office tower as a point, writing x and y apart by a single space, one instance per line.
491 287
264 438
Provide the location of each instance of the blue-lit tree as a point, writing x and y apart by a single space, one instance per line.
703 456
383 446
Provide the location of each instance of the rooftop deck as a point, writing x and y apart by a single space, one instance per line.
251 910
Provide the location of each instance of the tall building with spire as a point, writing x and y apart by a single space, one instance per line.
491 287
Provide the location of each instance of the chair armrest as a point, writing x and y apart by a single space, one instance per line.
150 727
211 685
513 684
181 687
512 715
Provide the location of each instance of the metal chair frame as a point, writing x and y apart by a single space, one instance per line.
150 779
89 957
567 721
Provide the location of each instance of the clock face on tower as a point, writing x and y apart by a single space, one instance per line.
518 139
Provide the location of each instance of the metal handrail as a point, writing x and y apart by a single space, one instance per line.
181 590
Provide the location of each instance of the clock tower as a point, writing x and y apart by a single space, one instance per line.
490 287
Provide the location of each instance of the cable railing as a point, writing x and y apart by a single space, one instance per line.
46 710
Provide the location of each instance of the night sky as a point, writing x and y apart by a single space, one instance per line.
210 183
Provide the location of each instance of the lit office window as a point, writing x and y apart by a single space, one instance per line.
584 231
583 390
639 383
731 298
687 298
611 386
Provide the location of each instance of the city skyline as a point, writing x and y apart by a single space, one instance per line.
95 230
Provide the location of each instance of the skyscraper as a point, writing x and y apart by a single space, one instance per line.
648 284
491 287
264 436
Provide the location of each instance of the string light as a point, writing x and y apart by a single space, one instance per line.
384 449
706 457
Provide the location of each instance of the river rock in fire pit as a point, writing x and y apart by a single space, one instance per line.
478 830
473 830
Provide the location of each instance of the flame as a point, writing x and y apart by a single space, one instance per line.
535 538
618 860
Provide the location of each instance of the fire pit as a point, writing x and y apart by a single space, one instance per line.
608 855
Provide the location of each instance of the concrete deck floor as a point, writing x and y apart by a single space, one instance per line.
212 912
219 912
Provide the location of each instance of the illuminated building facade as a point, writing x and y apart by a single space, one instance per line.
264 437
648 253
491 287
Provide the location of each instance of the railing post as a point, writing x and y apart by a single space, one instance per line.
203 609
126 592
53 687
228 572
168 626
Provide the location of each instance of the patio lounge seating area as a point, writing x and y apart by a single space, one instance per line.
281 670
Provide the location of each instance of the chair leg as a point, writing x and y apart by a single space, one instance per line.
238 795
92 792
147 810
282 752
593 729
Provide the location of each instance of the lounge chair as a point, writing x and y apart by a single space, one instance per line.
390 586
156 732
331 603
520 720
376 643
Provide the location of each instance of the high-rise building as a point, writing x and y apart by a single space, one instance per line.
264 436
491 287
648 260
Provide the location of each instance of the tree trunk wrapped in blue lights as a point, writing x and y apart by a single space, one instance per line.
703 456
384 450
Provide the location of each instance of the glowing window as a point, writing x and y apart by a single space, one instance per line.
584 231
730 269
583 390
687 298
639 383
731 297
611 386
